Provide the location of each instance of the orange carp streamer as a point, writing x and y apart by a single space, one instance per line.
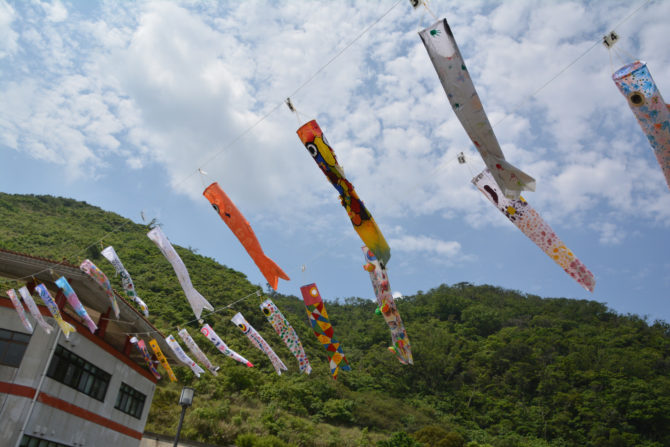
241 228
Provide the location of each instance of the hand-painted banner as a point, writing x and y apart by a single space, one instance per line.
197 352
652 113
72 298
161 358
147 357
245 234
99 277
11 293
181 355
66 327
318 318
532 225
457 84
286 333
312 137
195 299
110 254
208 332
259 342
34 310
380 283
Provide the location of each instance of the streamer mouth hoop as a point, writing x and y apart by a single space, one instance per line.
627 70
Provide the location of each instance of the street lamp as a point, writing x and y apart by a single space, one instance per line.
185 400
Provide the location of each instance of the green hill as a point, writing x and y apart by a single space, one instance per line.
492 366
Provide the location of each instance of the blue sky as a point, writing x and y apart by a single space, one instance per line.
119 104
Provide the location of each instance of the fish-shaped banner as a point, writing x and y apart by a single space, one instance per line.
195 299
147 357
244 233
161 358
652 113
128 286
380 283
286 333
532 225
99 277
66 327
312 137
181 355
258 341
457 84
11 293
318 318
208 332
72 298
197 352
34 310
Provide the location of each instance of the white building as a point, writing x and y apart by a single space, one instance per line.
91 390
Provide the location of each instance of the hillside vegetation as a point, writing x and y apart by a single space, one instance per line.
492 366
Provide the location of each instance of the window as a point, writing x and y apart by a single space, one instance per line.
130 401
29 441
12 347
72 370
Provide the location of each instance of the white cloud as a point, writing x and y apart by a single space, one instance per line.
171 84
8 37
448 250
610 233
55 10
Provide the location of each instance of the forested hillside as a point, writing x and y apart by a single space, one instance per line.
492 366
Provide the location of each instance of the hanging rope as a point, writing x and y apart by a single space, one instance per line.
567 67
256 293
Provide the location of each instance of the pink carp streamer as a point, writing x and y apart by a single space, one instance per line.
99 277
11 293
532 225
34 310
259 342
208 332
73 299
286 333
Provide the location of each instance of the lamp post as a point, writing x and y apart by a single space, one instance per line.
185 400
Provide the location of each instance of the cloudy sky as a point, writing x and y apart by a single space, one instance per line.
120 103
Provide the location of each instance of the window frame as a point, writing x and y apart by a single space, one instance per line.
32 441
130 401
75 372
13 342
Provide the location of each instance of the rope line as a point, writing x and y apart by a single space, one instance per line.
215 311
595 44
296 91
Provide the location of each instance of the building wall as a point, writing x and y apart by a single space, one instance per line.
61 413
